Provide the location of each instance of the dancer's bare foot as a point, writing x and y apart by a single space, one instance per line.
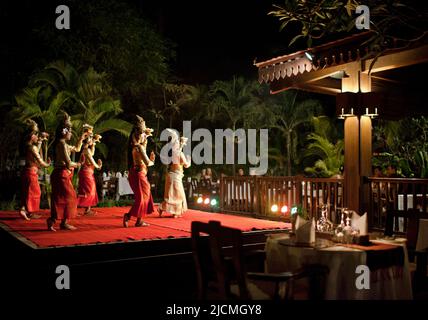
23 214
89 213
141 223
126 218
34 216
50 223
66 226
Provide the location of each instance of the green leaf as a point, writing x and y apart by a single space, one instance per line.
295 39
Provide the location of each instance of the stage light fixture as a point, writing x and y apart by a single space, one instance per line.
207 201
284 209
274 208
213 202
200 200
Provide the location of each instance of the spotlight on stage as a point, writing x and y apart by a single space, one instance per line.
200 200
207 201
213 202
274 208
284 209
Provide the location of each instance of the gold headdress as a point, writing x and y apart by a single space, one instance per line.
66 121
88 128
65 125
32 126
140 123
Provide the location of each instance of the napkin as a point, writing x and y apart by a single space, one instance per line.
305 230
360 223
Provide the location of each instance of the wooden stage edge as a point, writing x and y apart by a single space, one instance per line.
16 244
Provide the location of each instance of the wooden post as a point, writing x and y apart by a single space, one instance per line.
365 160
358 141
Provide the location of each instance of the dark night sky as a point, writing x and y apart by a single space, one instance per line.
214 39
217 39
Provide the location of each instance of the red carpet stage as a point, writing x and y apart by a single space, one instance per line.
106 227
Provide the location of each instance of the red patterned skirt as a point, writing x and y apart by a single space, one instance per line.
64 200
143 204
87 192
30 197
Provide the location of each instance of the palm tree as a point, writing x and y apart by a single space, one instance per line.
329 155
286 114
92 97
42 105
233 102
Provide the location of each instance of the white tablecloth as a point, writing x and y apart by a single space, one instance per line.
422 243
342 263
123 187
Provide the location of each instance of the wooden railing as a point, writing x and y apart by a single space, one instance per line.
395 194
257 195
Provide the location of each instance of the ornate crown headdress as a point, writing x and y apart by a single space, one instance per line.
32 126
88 128
66 121
140 123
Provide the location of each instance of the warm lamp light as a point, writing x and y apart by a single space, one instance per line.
284 209
371 115
274 208
207 201
343 115
200 200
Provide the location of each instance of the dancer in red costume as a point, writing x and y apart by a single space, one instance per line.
137 158
87 193
30 196
64 200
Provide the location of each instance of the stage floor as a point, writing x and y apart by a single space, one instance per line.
106 227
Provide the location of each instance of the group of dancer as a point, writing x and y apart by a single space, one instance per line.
65 201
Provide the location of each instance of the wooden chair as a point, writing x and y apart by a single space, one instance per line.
221 267
410 231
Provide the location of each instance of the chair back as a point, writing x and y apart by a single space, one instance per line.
410 224
215 270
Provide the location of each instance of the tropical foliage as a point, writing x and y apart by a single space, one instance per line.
87 96
287 115
404 145
391 21
328 155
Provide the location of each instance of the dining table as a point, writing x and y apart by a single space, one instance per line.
386 261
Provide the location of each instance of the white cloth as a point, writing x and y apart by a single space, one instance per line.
174 196
123 187
360 223
305 230
342 263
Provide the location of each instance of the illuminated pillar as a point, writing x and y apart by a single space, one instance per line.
358 143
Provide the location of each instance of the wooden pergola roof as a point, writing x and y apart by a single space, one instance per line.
391 74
